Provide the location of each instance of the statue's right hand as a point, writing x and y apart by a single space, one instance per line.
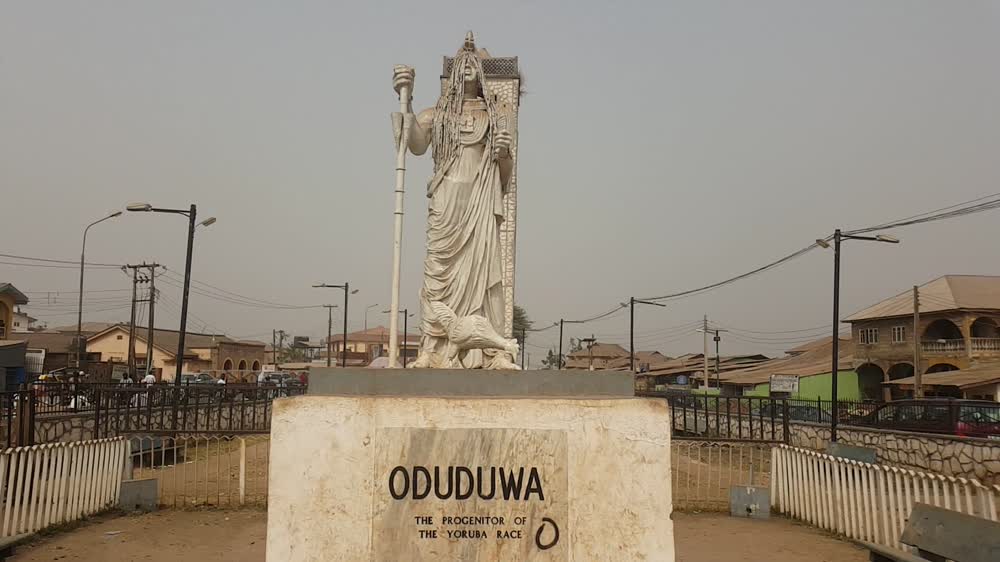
402 77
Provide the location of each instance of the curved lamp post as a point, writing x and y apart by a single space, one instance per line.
79 311
191 214
824 243
347 290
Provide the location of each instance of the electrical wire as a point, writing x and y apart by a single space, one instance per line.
751 273
49 260
981 204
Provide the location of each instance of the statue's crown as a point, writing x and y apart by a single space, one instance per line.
470 42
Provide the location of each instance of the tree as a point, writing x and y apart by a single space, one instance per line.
521 324
551 360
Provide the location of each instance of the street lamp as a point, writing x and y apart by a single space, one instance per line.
79 312
562 322
347 290
367 308
632 301
406 314
824 243
191 214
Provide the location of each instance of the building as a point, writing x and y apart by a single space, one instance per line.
10 299
202 352
688 370
811 363
22 323
600 356
959 319
364 346
52 350
981 382
86 328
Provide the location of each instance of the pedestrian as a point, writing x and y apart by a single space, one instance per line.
149 379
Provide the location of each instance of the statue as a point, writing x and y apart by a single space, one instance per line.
462 298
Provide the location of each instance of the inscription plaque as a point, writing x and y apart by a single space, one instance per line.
470 494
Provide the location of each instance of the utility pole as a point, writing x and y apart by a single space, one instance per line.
131 323
281 339
718 381
632 301
918 376
274 348
406 327
133 329
329 333
704 333
560 360
590 350
152 317
524 344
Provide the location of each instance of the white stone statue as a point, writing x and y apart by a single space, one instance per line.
462 299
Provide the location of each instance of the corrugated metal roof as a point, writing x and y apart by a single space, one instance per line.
815 361
950 292
600 350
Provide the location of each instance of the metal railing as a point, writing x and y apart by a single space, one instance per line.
702 472
735 418
867 502
50 412
203 470
45 485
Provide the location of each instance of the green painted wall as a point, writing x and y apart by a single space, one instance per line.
818 386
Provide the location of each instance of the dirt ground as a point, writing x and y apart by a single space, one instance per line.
239 535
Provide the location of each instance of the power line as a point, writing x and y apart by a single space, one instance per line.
958 210
740 277
50 260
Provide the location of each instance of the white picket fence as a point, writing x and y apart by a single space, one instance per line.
55 483
868 502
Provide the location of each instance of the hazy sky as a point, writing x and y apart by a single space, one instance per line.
663 146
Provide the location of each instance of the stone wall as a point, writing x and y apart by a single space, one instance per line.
942 454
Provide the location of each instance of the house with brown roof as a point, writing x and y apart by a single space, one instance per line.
959 328
54 351
216 353
10 299
600 355
364 346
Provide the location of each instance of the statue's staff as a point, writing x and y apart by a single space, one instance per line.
401 123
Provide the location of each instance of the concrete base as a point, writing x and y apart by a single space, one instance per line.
376 478
750 501
327 381
138 495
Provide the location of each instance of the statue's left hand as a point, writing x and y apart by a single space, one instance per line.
501 143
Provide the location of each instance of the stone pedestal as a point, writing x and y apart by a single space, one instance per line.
418 476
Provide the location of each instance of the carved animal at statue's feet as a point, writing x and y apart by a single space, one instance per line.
474 332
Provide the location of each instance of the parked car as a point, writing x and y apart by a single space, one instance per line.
199 378
952 416
285 382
